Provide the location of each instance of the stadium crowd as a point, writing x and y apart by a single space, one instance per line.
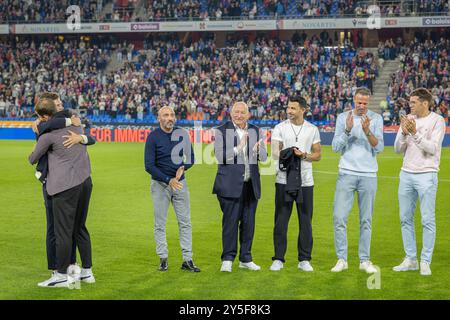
68 67
47 11
422 64
199 80
130 10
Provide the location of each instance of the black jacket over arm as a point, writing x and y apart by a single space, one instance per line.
292 165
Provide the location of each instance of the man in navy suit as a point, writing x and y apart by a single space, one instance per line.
238 149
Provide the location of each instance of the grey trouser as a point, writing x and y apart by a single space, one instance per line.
162 195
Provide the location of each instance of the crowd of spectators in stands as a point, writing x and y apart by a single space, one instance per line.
40 11
423 63
163 9
402 8
199 80
388 50
129 10
68 67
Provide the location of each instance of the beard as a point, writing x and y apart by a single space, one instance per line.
169 125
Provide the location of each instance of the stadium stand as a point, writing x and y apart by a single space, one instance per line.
198 80
156 10
422 64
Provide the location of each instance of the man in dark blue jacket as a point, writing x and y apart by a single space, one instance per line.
238 149
168 153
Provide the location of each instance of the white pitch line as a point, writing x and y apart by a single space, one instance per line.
384 177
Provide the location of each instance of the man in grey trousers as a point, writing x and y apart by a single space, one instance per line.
69 184
168 153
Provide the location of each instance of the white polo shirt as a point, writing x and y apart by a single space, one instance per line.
307 135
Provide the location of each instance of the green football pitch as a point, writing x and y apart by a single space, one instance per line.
125 264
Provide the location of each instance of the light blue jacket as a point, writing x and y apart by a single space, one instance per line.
358 156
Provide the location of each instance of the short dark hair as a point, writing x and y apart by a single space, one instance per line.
49 95
364 91
46 107
300 100
424 95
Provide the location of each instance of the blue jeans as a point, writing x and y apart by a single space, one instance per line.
346 185
424 187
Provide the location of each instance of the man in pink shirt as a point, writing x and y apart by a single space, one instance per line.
420 139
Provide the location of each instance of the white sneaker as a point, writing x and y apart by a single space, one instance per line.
57 280
305 266
73 274
368 267
277 265
87 275
44 283
407 265
226 266
341 264
249 265
425 269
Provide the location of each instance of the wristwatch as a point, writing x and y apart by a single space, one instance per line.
369 133
347 132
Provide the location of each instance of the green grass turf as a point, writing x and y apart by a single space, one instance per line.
125 264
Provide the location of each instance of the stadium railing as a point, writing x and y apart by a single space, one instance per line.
153 121
265 17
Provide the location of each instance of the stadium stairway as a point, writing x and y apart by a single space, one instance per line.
204 6
261 12
114 64
140 11
108 9
292 9
380 86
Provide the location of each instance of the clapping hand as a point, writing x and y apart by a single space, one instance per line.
256 146
365 123
242 143
349 122
403 121
410 125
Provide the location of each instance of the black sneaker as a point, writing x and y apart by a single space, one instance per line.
190 266
163 264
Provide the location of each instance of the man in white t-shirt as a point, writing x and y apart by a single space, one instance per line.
420 140
302 139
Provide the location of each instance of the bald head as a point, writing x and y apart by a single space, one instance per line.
166 118
165 109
